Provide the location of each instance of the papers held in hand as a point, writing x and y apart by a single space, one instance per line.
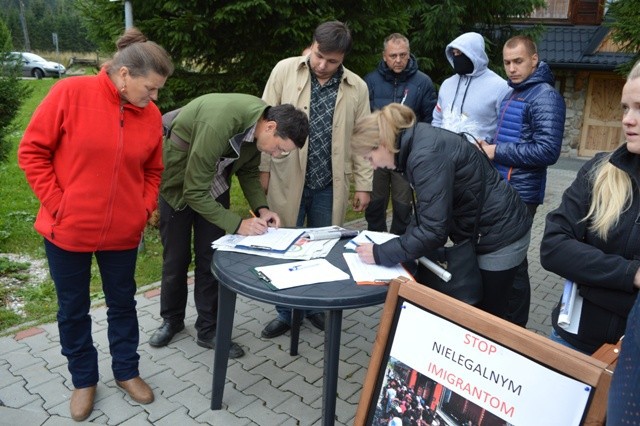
294 274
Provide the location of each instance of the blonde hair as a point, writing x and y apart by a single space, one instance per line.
612 189
381 128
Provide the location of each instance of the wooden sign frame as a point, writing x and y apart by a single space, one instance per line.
541 350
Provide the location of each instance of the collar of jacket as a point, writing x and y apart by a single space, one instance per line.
542 74
626 161
347 75
404 143
112 93
389 75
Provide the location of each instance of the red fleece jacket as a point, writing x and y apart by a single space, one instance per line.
94 165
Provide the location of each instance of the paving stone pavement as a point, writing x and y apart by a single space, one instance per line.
265 387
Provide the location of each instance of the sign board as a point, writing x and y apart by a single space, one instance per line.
452 364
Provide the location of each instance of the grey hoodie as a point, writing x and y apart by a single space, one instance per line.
471 102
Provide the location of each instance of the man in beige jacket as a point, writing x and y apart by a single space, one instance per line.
310 187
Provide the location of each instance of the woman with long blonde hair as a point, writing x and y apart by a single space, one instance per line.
593 237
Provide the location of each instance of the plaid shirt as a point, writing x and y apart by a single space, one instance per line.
220 183
322 105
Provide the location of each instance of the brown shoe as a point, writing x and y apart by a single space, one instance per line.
81 404
137 389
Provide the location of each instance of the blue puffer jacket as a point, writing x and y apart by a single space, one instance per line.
529 135
411 87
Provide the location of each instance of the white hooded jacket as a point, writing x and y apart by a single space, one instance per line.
471 102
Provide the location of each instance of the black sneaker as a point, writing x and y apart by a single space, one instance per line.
165 333
235 351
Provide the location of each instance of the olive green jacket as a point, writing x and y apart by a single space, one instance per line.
207 124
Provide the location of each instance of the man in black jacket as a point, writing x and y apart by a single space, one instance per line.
397 79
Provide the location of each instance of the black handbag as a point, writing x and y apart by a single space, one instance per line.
460 260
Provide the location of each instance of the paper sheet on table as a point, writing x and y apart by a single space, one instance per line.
294 274
275 239
369 237
303 249
365 273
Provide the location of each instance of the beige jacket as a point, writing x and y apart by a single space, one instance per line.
290 82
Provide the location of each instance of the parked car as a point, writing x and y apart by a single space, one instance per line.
36 66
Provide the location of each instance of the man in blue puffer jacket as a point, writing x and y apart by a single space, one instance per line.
396 79
528 140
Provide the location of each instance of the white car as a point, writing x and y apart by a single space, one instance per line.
36 66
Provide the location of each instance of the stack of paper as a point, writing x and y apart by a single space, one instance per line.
277 240
369 237
364 273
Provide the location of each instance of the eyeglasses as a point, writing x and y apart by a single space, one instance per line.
395 56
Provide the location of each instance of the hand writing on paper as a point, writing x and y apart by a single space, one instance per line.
365 251
272 218
253 226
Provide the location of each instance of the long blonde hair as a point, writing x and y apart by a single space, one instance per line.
612 189
381 128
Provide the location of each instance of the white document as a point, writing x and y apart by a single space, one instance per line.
365 273
294 274
275 239
369 237
569 293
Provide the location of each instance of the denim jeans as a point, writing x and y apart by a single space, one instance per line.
71 274
316 206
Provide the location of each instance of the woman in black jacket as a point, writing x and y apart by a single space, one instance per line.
447 174
593 238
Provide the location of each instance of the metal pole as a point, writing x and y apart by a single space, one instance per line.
128 15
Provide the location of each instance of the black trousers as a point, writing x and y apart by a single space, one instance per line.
520 298
176 229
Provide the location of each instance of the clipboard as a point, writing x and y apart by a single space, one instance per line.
275 240
294 274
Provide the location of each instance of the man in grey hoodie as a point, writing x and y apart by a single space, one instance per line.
469 100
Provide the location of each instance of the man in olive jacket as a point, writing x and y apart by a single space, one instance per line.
210 139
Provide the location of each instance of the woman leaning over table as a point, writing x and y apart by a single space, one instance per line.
593 237
92 154
447 174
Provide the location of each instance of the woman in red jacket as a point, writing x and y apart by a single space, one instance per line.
92 154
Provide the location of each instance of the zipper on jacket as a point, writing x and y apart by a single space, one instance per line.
114 182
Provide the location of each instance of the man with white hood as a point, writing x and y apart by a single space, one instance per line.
469 100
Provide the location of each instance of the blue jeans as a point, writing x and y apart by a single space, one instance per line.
71 274
316 205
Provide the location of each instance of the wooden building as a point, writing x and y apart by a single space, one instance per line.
577 46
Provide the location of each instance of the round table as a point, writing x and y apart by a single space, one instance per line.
236 275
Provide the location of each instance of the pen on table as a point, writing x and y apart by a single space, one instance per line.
298 267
